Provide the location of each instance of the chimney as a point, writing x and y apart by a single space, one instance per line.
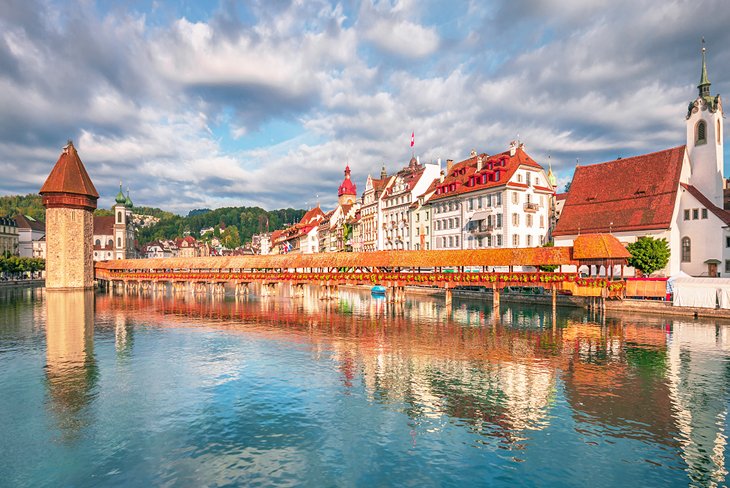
479 164
512 148
449 164
418 160
441 176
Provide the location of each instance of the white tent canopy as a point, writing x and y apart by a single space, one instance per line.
701 292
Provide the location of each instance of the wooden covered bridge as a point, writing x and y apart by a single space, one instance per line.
491 268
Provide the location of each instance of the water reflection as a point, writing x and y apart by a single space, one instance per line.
504 376
71 371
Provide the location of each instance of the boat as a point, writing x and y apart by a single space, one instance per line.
377 290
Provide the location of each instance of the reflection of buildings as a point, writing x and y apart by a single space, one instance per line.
699 383
71 369
629 381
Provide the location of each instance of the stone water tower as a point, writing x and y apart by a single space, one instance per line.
70 199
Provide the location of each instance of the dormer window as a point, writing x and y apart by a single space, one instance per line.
701 133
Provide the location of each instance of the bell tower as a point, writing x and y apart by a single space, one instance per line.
705 139
120 225
70 199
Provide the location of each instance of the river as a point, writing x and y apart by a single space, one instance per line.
102 389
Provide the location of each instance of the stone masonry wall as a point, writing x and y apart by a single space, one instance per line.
69 253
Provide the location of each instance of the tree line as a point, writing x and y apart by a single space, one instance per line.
246 221
15 266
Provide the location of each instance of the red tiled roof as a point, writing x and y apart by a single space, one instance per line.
598 246
561 196
69 175
629 194
380 184
104 226
313 215
722 214
461 172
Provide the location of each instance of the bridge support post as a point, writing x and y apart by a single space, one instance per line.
448 296
554 298
495 298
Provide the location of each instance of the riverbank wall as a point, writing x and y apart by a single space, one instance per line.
22 283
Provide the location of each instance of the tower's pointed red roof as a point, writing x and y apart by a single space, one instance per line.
347 187
69 175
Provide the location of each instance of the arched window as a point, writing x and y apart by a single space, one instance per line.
119 217
119 242
686 250
110 243
701 132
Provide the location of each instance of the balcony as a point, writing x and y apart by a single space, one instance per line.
481 230
531 207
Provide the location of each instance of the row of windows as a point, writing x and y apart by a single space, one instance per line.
695 212
485 201
447 224
529 220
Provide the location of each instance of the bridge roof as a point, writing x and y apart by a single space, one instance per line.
381 259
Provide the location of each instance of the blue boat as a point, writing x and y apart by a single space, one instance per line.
377 290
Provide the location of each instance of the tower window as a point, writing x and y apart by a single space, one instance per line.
119 217
719 132
701 132
119 242
686 250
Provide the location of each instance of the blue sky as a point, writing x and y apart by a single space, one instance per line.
206 104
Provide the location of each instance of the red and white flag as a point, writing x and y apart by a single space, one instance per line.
413 138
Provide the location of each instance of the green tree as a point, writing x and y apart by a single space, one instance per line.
649 254
230 237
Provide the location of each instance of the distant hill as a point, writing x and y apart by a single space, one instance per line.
32 205
249 220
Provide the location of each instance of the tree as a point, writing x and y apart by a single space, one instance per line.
566 189
230 238
649 254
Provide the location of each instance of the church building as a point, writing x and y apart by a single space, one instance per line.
675 194
114 236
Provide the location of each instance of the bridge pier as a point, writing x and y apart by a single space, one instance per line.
218 288
242 289
495 297
448 296
297 290
269 289
330 292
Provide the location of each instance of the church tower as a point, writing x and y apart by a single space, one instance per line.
70 199
705 139
120 225
347 193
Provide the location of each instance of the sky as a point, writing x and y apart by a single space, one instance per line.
195 104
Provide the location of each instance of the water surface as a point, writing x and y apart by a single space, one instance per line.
143 390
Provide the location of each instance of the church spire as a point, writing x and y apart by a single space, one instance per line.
704 85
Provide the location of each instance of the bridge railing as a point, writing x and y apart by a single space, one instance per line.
440 279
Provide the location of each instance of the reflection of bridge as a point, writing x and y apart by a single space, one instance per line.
393 269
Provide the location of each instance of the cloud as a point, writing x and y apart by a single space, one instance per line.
182 107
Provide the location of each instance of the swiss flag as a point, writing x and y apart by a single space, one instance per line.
413 138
